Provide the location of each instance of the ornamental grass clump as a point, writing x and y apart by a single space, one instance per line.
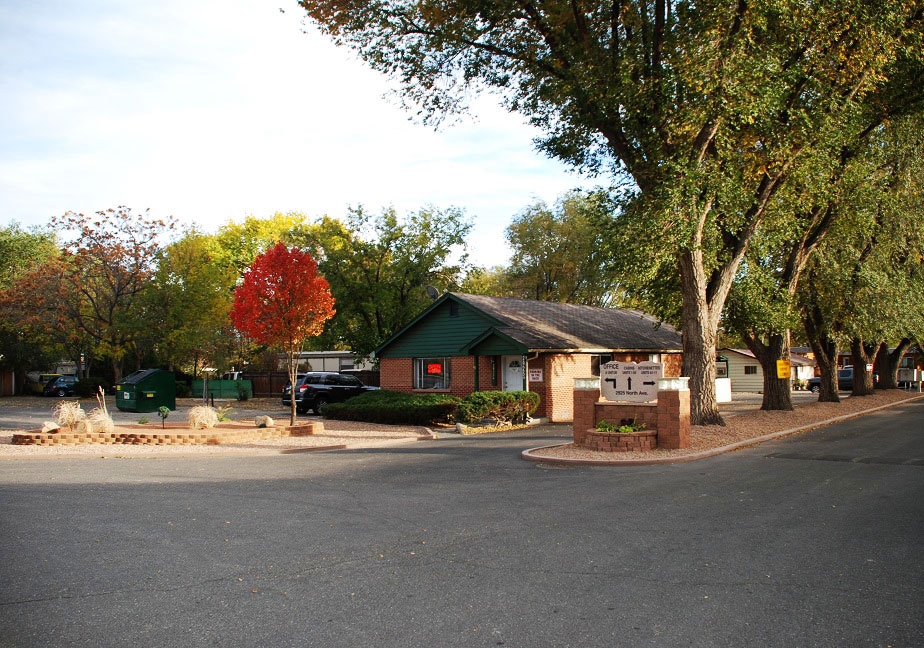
68 414
202 417
100 421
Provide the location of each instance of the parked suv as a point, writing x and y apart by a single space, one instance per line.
60 386
316 389
844 381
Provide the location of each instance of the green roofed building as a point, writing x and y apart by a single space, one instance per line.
464 343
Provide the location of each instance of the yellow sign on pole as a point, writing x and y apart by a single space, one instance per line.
783 369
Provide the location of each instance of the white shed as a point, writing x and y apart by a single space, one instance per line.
746 374
743 368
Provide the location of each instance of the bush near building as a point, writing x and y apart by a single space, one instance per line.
395 408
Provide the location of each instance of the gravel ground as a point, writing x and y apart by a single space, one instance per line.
742 427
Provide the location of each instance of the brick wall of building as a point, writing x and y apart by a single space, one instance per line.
396 374
462 381
563 369
489 367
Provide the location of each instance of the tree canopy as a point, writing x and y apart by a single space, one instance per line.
186 304
558 253
380 266
707 106
24 337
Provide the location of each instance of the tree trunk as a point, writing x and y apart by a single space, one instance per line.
825 350
777 391
700 330
887 363
863 354
293 373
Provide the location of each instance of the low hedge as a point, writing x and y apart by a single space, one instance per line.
394 408
514 406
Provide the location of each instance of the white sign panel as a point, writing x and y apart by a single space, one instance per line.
630 381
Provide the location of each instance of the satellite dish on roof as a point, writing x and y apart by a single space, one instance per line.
433 293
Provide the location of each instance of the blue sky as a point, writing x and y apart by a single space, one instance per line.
214 110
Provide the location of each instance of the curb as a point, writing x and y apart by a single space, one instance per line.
527 455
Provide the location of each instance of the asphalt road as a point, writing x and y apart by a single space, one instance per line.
814 540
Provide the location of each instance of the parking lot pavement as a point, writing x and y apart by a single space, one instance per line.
30 412
806 541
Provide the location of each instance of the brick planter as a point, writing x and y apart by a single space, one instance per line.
667 422
620 441
132 434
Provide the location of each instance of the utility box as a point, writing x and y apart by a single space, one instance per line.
146 390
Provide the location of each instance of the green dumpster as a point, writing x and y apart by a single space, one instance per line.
146 390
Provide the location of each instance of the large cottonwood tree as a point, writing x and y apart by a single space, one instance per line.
866 284
708 106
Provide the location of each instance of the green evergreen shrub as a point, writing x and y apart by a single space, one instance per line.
395 408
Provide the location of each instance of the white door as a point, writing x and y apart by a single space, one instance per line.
513 373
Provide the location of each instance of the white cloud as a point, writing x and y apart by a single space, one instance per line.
211 111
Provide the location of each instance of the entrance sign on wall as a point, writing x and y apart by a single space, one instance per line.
535 375
630 381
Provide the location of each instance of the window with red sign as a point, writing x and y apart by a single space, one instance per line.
431 373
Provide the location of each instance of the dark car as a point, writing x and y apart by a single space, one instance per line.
60 386
844 381
316 389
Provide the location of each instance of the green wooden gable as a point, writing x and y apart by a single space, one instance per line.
458 324
495 342
450 327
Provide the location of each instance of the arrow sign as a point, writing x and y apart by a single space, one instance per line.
630 381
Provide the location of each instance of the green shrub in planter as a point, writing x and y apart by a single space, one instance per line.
625 427
515 406
395 408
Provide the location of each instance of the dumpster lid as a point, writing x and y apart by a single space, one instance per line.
138 376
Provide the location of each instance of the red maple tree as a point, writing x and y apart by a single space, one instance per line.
282 302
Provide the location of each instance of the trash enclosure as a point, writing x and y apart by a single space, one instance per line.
146 390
